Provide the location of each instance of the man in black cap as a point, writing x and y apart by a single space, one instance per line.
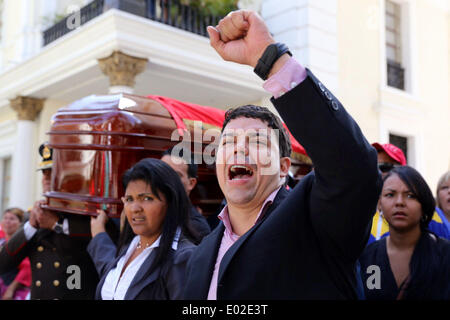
56 246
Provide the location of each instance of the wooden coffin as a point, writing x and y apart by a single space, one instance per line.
96 139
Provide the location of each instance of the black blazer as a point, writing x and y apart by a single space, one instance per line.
164 283
307 244
199 223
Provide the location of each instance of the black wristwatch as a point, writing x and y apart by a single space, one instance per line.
269 57
58 227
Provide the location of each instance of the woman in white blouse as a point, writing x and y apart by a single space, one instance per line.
156 242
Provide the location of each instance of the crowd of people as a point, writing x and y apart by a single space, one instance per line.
361 225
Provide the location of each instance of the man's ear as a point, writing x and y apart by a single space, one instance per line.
285 165
192 183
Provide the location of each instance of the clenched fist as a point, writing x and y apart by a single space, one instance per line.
241 37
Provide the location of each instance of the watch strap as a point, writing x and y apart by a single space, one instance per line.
269 57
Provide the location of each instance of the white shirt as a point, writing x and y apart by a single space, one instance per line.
115 287
30 231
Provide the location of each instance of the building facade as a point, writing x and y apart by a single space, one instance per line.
386 60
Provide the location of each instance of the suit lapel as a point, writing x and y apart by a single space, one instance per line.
235 247
142 278
98 291
205 260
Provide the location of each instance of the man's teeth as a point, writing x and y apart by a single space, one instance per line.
236 168
239 172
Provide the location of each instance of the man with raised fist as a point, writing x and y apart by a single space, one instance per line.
273 243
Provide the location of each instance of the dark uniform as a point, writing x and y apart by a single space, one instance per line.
60 265
61 268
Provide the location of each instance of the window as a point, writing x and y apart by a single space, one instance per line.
394 54
5 183
401 142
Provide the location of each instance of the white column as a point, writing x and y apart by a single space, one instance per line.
22 171
309 28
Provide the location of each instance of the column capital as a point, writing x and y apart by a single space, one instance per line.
27 108
122 68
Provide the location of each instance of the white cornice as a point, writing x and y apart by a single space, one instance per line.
117 30
169 46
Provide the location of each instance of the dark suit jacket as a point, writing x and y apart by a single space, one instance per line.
164 283
199 223
50 256
307 244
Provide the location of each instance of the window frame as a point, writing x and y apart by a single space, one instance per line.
408 48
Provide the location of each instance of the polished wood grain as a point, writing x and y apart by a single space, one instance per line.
96 139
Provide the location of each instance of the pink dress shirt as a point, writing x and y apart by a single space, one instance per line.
229 238
289 76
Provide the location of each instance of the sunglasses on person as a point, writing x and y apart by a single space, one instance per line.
387 166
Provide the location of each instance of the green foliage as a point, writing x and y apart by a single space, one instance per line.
216 7
54 19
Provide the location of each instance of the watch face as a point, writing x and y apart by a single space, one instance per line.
58 228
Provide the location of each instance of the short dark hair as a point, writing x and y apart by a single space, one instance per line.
265 115
418 186
162 179
192 167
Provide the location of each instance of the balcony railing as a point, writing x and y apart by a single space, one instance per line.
395 75
73 21
170 12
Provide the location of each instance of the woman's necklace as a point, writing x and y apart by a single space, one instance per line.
139 245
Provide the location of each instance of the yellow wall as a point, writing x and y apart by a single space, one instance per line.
433 88
360 79
359 62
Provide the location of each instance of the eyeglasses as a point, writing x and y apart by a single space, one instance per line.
387 166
